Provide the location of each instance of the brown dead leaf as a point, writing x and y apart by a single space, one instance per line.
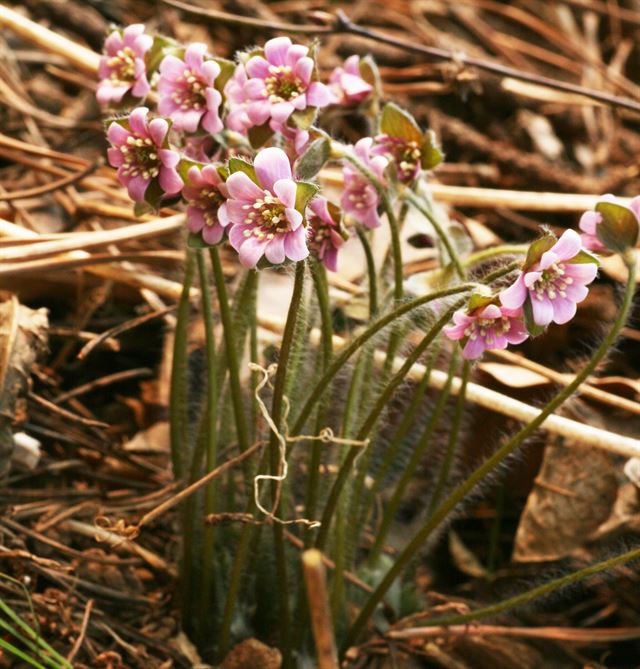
252 654
513 376
573 494
23 337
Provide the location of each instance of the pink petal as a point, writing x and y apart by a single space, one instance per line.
115 158
169 158
281 111
355 86
212 234
303 69
113 43
141 87
258 111
158 129
137 187
589 220
257 67
271 165
542 310
187 119
491 311
223 216
474 348
576 292
318 95
276 50
455 332
138 121
286 190
195 219
241 187
236 235
294 53
530 278
563 310
171 69
142 44
170 180
211 122
294 217
117 135
517 334
275 250
255 89
194 55
582 272
251 251
568 246
514 296
295 244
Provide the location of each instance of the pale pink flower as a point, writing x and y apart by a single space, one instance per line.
142 155
555 284
346 85
206 194
359 197
264 218
405 155
187 92
201 148
280 83
324 239
490 327
237 118
122 68
590 220
297 140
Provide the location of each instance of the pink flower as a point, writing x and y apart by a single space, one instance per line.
554 284
122 68
590 219
201 148
237 118
346 85
280 83
404 153
490 327
297 140
187 93
324 238
142 155
265 220
206 195
360 198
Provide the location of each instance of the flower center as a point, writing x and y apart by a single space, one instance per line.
140 158
408 157
209 201
552 283
282 85
123 66
360 194
268 216
488 329
189 91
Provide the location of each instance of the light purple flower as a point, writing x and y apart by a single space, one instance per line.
405 155
346 85
187 92
280 83
206 194
554 284
265 220
324 238
360 198
590 220
490 327
142 155
122 68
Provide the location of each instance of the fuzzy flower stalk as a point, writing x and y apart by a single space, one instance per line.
122 69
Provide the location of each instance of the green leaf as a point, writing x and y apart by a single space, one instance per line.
259 135
397 122
304 119
195 241
313 159
533 328
304 192
159 49
430 153
239 165
537 248
618 230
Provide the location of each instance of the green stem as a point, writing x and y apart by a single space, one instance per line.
445 469
417 456
211 441
51 662
494 252
340 359
383 194
371 420
277 407
540 591
371 272
459 493
179 427
233 362
440 231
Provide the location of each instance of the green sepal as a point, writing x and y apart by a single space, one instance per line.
396 122
259 135
227 68
161 47
618 229
583 258
313 159
185 165
305 191
336 214
153 194
239 165
304 118
371 74
532 327
430 153
142 208
479 300
538 248
195 241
